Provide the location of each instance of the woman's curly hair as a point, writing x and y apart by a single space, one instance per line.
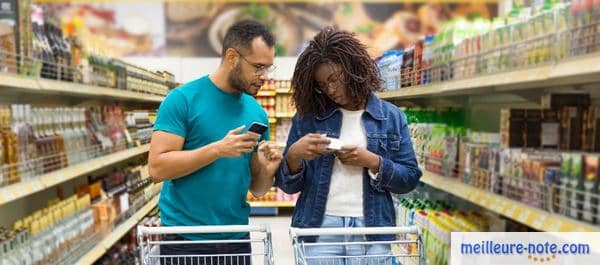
361 75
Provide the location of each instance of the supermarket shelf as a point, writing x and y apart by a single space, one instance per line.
26 188
47 86
106 243
533 217
17 81
572 71
284 115
269 93
273 204
284 91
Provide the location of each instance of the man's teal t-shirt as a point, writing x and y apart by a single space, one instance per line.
202 113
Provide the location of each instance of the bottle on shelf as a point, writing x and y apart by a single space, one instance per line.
49 62
49 142
11 147
26 140
57 131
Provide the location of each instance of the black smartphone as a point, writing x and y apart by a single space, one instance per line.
258 128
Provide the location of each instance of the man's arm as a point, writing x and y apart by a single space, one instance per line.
263 167
261 181
166 160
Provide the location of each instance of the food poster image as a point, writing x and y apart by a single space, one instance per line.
197 29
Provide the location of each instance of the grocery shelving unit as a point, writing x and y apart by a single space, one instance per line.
25 188
482 96
35 190
283 91
573 71
31 85
266 93
269 207
525 214
275 93
281 204
107 242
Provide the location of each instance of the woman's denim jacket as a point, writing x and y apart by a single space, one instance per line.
387 136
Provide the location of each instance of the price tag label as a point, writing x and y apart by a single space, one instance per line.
510 210
51 179
27 188
17 191
471 195
485 201
499 204
568 226
517 213
478 197
3 196
523 217
552 225
539 220
37 185
580 229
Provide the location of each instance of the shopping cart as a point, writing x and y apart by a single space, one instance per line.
259 252
405 250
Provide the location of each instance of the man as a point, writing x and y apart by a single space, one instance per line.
201 152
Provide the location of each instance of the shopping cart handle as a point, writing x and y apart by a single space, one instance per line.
161 230
295 232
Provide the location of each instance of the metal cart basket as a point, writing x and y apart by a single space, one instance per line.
405 250
257 248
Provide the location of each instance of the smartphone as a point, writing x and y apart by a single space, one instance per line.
335 144
258 128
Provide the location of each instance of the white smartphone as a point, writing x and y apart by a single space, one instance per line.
335 144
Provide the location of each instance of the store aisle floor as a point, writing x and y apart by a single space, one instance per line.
282 244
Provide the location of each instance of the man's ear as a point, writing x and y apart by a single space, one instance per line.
230 56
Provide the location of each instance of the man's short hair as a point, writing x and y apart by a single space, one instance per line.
240 35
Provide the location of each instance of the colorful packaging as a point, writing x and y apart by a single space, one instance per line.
590 186
576 183
8 35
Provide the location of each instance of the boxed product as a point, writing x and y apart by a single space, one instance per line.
572 184
534 170
551 179
550 129
512 126
417 62
571 128
591 129
533 128
407 67
449 162
590 186
565 172
556 101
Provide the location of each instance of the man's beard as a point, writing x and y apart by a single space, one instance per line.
236 82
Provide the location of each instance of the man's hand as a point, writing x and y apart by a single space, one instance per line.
359 157
235 144
264 165
269 156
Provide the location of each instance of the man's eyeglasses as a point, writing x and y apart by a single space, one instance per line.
334 81
259 69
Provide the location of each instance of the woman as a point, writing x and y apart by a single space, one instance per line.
333 87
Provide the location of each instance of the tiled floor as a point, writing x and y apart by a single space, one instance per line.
282 244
